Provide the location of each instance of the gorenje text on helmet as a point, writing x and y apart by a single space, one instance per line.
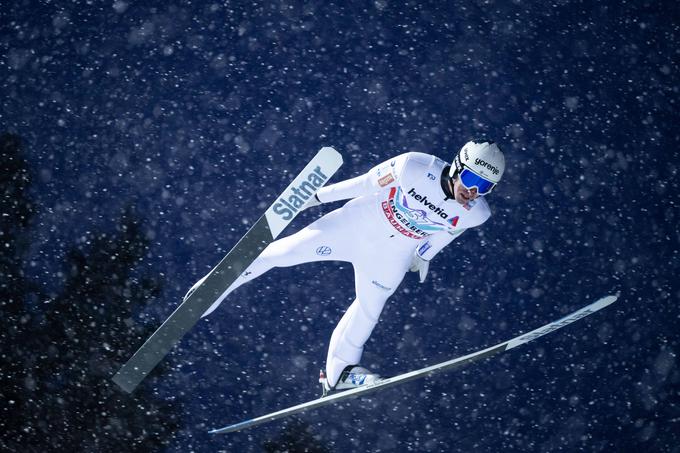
484 163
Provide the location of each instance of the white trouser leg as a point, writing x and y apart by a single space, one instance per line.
375 283
319 241
346 345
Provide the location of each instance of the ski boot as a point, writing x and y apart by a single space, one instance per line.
352 376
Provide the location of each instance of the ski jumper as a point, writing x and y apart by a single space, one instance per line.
397 209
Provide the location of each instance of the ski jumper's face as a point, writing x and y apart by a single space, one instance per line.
462 194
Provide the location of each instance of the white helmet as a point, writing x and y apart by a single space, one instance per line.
484 158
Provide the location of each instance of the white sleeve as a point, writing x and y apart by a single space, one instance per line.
350 188
432 245
382 175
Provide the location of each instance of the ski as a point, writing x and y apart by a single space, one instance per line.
317 172
427 371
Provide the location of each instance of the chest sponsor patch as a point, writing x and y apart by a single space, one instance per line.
411 222
386 180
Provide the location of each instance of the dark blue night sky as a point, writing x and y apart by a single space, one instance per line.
197 114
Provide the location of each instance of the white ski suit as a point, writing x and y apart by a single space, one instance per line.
397 209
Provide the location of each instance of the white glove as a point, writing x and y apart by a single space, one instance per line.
420 265
313 201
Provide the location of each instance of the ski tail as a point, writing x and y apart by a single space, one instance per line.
286 207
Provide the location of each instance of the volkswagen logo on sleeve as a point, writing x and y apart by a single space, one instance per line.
323 250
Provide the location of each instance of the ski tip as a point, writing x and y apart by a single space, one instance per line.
331 153
607 300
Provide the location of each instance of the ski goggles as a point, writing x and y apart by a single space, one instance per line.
471 180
